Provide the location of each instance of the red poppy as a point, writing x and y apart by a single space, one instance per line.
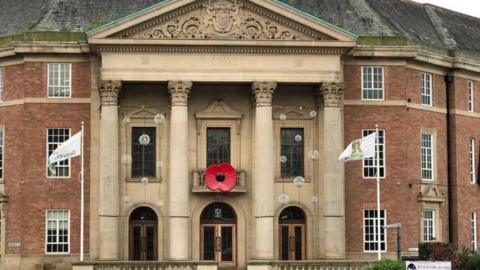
221 177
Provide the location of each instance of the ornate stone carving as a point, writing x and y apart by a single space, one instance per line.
109 92
221 19
263 92
331 94
179 91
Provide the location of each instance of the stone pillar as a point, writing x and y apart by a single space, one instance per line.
334 180
178 204
109 182
263 170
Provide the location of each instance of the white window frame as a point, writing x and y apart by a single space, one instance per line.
68 231
374 241
471 97
2 75
426 89
432 225
423 151
366 132
58 79
372 78
472 172
47 155
473 224
2 153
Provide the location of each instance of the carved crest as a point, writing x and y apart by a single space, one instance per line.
221 19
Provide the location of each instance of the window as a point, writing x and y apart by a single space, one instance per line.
372 83
369 166
473 222
470 97
218 145
428 226
59 80
1 153
1 84
55 137
57 231
370 227
292 148
472 160
427 156
143 152
426 89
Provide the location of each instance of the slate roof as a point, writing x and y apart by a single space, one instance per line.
418 22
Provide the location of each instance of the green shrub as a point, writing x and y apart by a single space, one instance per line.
387 264
471 263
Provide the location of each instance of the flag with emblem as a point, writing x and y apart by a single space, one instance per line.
360 149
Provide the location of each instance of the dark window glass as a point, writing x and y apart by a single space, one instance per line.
218 145
143 156
293 150
209 243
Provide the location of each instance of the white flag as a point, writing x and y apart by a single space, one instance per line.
360 149
68 149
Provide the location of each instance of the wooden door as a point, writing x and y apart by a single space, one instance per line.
143 241
292 242
218 243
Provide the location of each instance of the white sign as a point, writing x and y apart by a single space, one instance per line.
421 265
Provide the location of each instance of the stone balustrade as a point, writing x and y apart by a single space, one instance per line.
131 265
309 265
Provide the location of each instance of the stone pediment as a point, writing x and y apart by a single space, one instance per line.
221 20
219 109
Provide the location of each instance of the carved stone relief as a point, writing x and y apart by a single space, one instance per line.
221 19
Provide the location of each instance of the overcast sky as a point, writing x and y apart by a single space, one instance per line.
470 7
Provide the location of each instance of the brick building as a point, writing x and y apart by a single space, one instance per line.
276 89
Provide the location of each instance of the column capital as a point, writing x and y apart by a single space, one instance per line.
263 92
179 91
331 94
109 92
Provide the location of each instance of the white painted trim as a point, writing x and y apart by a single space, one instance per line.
46 155
383 82
46 233
384 154
385 231
69 80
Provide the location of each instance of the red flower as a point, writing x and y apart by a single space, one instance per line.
221 177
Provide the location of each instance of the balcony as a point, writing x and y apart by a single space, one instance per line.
200 187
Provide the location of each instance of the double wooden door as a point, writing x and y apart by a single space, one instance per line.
218 244
292 242
143 240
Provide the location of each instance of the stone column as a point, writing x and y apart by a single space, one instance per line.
178 204
263 170
334 181
109 182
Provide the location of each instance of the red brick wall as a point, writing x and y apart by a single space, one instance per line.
30 192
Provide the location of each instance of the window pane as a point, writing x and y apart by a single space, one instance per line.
143 155
59 77
57 225
1 84
55 137
1 153
369 166
372 87
218 145
370 225
292 147
427 157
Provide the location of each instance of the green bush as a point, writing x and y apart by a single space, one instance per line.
387 264
471 263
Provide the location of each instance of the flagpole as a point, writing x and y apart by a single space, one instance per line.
377 160
81 197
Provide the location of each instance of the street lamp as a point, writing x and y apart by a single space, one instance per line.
398 226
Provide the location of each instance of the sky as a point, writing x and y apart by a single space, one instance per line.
470 7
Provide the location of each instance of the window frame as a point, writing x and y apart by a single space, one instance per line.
155 147
434 226
229 143
2 86
2 153
424 87
363 89
384 230
381 130
47 155
474 230
471 96
303 151
68 232
433 156
69 80
472 171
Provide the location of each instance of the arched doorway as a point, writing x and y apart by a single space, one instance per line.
143 235
292 224
218 234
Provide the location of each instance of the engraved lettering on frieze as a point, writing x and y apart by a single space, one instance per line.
221 19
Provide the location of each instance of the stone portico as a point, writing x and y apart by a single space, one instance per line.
175 59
